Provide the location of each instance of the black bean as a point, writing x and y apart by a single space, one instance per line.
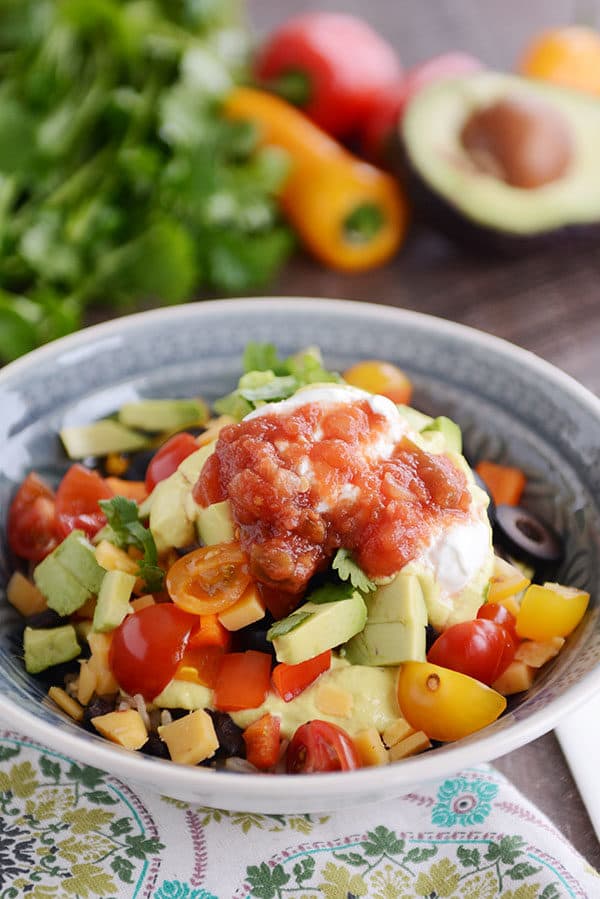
254 636
47 618
229 735
155 746
98 705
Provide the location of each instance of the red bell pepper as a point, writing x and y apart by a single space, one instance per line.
290 680
243 681
262 741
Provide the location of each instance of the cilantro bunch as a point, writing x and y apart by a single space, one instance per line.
120 180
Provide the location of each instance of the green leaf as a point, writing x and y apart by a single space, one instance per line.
441 879
86 775
382 841
285 625
265 881
351 858
522 870
88 880
123 868
271 390
49 768
101 797
304 869
127 530
420 854
19 326
87 820
260 357
121 826
468 857
9 752
550 892
331 593
233 404
347 569
507 850
140 846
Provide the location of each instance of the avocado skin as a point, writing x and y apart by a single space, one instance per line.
476 238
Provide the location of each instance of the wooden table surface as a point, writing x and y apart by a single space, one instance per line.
549 304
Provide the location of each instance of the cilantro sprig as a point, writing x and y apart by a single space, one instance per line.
348 570
127 530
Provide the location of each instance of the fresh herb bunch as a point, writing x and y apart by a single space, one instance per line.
120 180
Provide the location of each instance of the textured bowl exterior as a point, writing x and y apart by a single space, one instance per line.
511 406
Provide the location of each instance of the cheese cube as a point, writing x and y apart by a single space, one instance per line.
370 748
66 703
142 602
413 744
112 558
333 700
98 662
88 681
24 595
517 678
126 728
248 609
397 731
537 653
190 739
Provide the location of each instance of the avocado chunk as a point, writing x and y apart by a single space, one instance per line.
321 626
100 438
449 430
70 575
416 420
45 647
169 520
488 206
191 467
163 415
214 524
395 628
113 600
77 555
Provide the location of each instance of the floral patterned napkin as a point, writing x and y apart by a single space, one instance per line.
67 830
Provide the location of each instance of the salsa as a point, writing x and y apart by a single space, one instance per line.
327 475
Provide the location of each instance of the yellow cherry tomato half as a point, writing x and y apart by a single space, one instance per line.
567 56
550 611
380 377
445 704
210 579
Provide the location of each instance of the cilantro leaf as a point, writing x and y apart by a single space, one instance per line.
331 592
127 530
285 625
348 570
260 357
272 388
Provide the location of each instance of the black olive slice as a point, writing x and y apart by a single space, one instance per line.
525 537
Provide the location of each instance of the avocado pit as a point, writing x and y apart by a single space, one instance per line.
520 140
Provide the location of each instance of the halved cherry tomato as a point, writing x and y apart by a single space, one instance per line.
168 458
480 648
499 614
290 680
209 579
243 681
32 532
320 746
444 704
262 741
148 646
381 377
77 501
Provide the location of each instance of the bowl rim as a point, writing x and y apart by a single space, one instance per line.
252 787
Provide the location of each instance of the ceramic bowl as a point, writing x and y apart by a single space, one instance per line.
512 407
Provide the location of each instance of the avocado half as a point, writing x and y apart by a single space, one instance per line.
482 210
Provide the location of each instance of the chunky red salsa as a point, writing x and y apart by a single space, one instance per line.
325 476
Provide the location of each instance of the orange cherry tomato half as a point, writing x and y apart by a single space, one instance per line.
148 646
168 458
569 56
32 531
209 579
444 704
381 377
77 501
320 746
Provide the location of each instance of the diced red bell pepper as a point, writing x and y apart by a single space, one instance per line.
211 633
262 741
243 681
290 680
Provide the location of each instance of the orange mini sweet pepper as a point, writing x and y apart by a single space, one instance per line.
349 214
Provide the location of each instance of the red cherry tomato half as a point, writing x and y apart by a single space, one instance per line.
168 458
480 648
77 500
148 646
499 614
320 746
32 530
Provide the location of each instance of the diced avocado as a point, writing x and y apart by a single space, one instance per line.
191 467
100 438
181 694
450 430
113 600
77 555
322 627
437 610
215 524
163 415
417 420
45 647
395 628
65 594
169 521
